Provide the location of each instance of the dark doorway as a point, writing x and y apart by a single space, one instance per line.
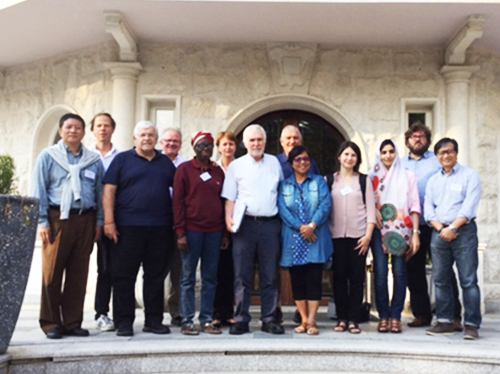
320 137
323 140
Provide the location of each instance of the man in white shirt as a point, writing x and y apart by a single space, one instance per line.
253 180
103 126
171 143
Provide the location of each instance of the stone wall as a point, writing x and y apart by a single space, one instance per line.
215 82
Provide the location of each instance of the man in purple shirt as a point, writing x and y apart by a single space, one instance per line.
451 200
424 164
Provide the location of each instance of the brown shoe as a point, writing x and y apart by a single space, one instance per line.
383 326
419 322
441 329
457 326
209 328
470 333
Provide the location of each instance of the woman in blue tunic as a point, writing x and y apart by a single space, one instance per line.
304 206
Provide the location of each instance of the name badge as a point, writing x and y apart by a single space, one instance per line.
205 176
456 187
89 174
346 190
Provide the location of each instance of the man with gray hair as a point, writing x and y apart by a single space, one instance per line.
138 218
252 180
291 137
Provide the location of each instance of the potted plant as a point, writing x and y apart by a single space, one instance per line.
18 224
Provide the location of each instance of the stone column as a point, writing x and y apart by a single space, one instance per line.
457 80
124 76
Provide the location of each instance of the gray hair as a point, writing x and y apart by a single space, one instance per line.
254 127
144 125
296 128
172 128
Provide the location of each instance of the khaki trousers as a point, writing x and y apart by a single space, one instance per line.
66 257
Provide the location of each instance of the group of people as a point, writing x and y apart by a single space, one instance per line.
167 214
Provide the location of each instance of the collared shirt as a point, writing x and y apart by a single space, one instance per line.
287 168
108 157
142 194
179 160
454 195
48 185
254 183
424 168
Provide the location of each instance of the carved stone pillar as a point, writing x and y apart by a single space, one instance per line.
124 76
457 80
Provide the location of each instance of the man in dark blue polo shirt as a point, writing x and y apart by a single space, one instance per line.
138 218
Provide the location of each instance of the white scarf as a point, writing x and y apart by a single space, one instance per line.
72 185
391 194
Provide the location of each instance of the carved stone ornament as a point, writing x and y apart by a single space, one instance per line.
291 66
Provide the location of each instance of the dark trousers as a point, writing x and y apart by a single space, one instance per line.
224 293
149 246
174 270
417 279
66 257
349 269
262 240
104 277
306 282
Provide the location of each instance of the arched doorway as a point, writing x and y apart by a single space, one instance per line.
323 139
320 136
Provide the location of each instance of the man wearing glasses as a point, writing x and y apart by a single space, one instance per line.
451 200
171 144
424 164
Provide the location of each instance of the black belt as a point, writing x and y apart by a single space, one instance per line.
261 218
80 212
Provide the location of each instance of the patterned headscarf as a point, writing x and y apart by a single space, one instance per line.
391 194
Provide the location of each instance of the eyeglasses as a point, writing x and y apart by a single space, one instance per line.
416 137
201 146
299 160
449 153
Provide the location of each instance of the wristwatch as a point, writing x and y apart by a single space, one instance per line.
311 225
453 228
415 231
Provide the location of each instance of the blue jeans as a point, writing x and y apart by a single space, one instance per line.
381 264
204 246
462 251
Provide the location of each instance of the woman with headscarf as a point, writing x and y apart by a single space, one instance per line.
199 224
397 234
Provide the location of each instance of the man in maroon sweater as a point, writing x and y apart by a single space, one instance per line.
199 224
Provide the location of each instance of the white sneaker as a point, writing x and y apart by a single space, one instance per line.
104 323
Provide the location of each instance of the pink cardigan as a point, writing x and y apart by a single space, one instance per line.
349 215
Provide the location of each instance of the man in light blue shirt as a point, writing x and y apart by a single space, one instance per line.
451 201
68 182
253 180
424 164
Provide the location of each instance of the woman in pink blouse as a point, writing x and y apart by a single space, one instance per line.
352 222
398 212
